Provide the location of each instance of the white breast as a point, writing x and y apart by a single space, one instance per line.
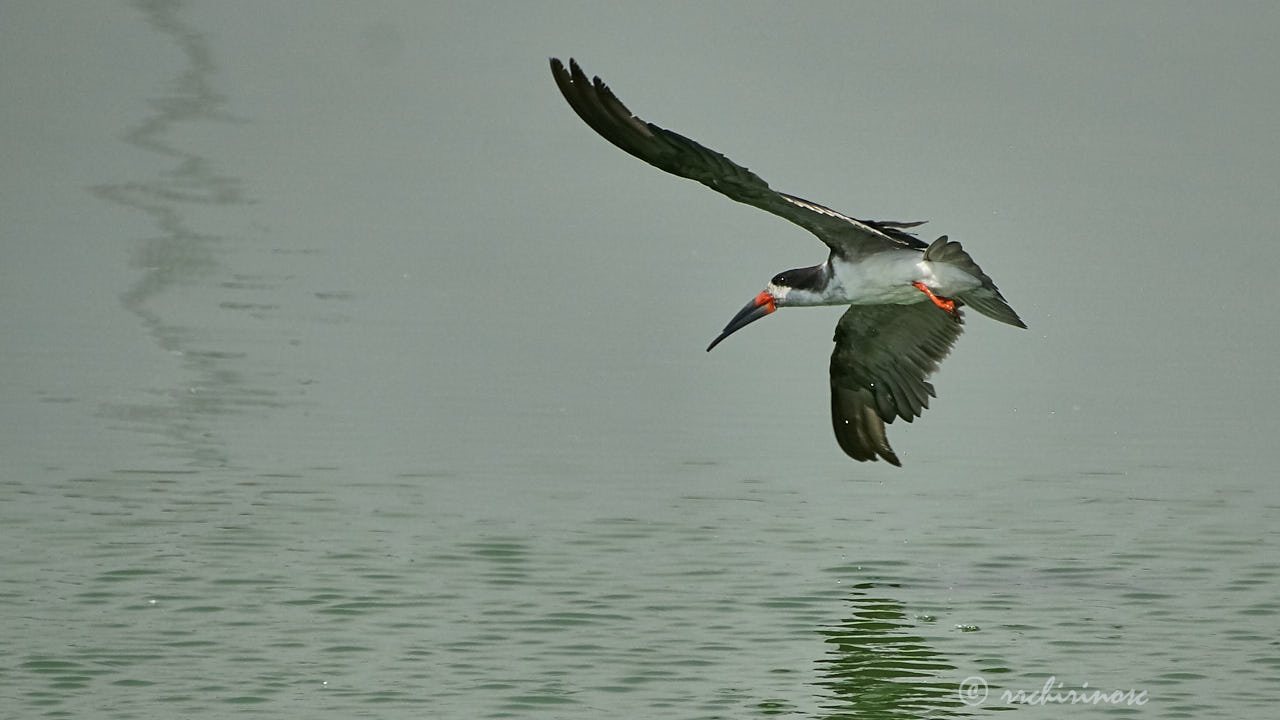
887 277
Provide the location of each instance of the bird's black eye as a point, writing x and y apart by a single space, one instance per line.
780 279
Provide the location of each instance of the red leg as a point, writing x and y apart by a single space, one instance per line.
945 304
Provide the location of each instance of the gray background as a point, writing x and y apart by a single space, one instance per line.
344 369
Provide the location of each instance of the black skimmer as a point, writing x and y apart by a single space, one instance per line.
904 295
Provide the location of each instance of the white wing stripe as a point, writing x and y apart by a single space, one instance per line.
832 213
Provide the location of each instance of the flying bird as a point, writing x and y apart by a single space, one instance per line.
905 296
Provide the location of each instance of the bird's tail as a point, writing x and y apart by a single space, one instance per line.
991 303
986 299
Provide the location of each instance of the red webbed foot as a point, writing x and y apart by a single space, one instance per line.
944 303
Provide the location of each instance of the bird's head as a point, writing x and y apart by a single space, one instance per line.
792 287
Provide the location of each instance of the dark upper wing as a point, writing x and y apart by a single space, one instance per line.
678 155
882 356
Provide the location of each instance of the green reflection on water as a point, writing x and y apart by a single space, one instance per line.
878 668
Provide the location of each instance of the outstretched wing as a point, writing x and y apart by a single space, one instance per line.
678 155
883 355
